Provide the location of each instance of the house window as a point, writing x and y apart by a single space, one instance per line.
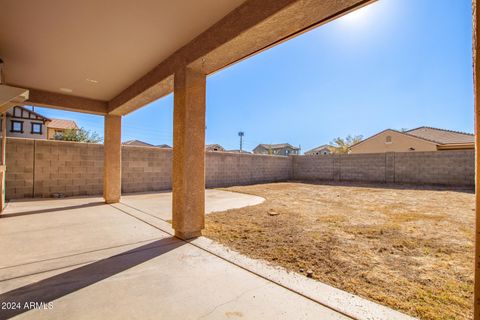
17 126
36 128
388 139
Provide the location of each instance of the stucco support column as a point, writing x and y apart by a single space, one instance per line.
3 162
189 153
112 163
476 88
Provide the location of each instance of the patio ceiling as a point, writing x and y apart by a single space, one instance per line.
115 56
97 48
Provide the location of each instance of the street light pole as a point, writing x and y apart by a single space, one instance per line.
241 134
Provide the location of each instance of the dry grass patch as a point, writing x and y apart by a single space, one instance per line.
409 249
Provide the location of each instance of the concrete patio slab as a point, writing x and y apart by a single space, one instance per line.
95 261
345 303
160 204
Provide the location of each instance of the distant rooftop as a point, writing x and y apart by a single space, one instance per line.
214 147
441 136
62 124
324 146
137 143
277 146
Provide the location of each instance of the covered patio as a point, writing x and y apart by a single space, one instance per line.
114 256
94 260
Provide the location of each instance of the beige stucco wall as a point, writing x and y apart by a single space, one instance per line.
50 133
400 143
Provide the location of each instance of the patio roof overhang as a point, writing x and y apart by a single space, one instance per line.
113 57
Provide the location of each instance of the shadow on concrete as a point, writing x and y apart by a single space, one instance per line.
382 185
60 285
48 210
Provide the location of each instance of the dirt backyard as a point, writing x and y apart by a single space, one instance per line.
409 249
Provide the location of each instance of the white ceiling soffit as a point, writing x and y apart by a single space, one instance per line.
93 48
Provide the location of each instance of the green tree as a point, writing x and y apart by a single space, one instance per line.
342 145
78 135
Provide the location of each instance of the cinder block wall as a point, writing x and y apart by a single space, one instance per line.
146 169
41 168
354 167
66 167
315 167
19 175
445 167
454 168
229 169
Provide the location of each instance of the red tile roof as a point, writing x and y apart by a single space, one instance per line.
441 136
62 124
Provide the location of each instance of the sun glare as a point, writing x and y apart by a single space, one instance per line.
358 16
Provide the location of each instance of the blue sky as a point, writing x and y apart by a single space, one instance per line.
394 64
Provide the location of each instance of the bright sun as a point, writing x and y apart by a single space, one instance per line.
357 16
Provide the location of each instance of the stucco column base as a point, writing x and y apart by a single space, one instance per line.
188 235
111 201
188 180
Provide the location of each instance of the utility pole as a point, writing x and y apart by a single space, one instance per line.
241 134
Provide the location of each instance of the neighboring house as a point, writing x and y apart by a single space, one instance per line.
321 150
165 146
58 127
137 143
25 123
281 149
214 147
419 139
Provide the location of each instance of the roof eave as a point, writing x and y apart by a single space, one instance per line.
456 146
